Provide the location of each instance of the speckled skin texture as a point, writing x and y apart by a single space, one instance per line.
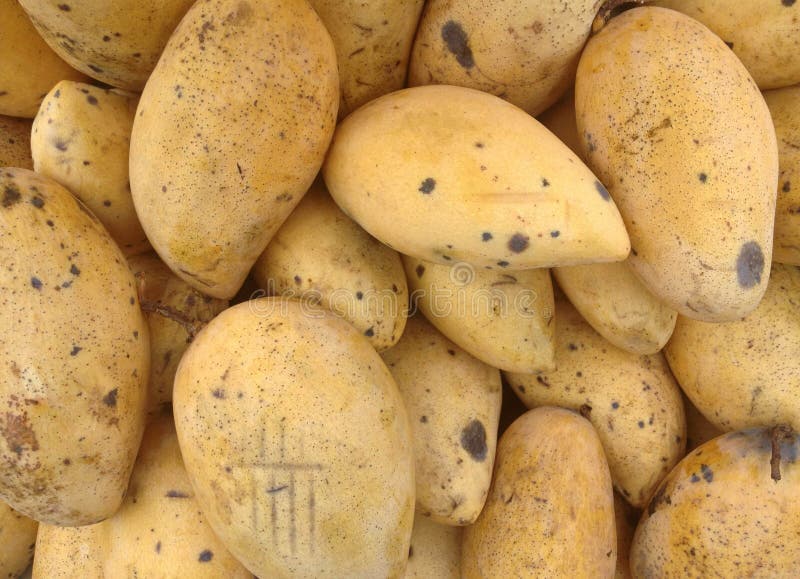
504 319
320 253
188 310
449 174
297 443
17 538
117 42
746 373
762 33
720 514
230 132
453 402
373 41
74 357
625 519
688 152
81 138
524 52
618 306
158 532
550 511
435 551
30 68
15 143
784 106
609 295
632 400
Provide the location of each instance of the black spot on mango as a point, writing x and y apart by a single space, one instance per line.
457 43
473 440
750 265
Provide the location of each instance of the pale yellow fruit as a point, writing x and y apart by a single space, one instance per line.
30 68
784 106
745 373
230 132
504 319
724 511
284 410
17 538
319 254
688 152
175 312
453 402
158 532
435 551
81 138
762 33
74 357
550 511
15 143
524 52
608 295
373 41
448 174
117 42
632 400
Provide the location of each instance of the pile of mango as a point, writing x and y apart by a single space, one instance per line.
276 291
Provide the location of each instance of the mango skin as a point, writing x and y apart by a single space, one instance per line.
158 532
504 319
30 68
81 138
17 539
688 152
276 404
720 513
632 400
73 398
15 143
220 152
550 510
157 287
373 41
746 373
117 42
524 52
449 174
763 35
319 253
609 295
435 550
453 401
784 107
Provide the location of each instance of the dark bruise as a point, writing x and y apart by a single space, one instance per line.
173 494
18 433
420 270
60 145
502 263
788 3
158 547
750 264
219 393
427 186
708 474
787 186
703 177
75 350
205 556
36 283
64 7
602 190
555 233
473 440
486 236
359 295
369 332
110 399
11 195
545 182
74 270
518 243
37 202
91 100
457 43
